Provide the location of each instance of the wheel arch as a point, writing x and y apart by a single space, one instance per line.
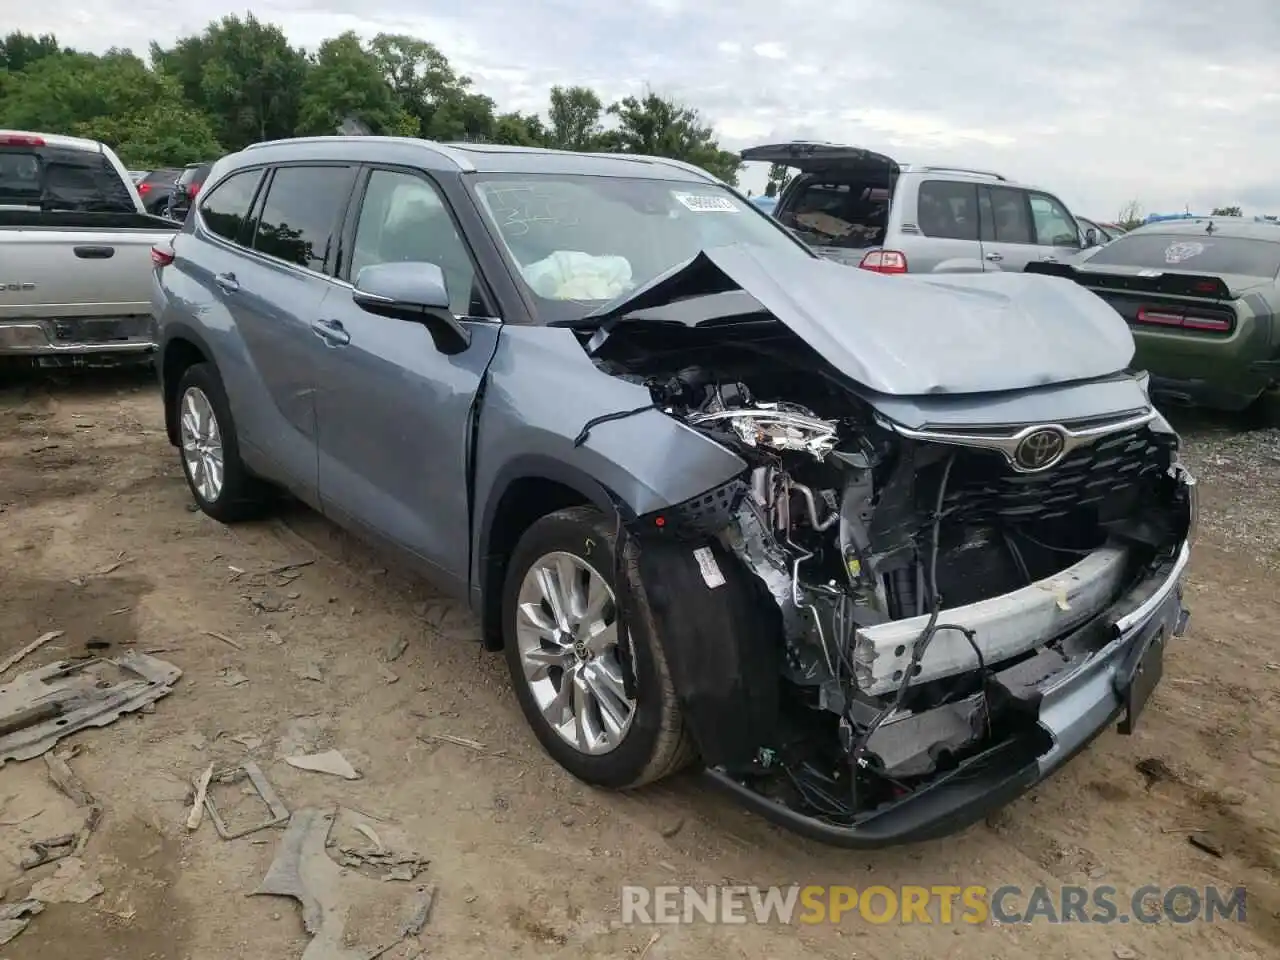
183 348
528 489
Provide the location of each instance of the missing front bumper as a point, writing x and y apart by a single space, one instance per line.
1076 692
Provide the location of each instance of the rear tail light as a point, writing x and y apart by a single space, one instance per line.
144 188
884 261
1183 319
20 140
162 254
193 189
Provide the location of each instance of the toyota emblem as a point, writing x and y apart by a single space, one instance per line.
1039 450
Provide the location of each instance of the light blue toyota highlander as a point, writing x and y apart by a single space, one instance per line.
875 553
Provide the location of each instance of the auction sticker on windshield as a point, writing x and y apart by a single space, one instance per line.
706 203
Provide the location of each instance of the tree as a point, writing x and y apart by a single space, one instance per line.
19 50
114 98
575 119
345 81
660 126
427 87
779 177
244 74
1131 215
1226 212
520 130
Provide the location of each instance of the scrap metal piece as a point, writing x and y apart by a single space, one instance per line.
77 695
279 812
303 870
202 793
65 780
14 918
30 648
47 851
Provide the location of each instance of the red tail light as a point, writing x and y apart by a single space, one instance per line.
884 261
193 189
143 188
162 254
19 140
1180 318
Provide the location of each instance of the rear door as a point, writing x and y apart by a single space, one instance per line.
273 290
947 220
394 413
1007 230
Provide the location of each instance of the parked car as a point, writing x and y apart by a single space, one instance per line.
136 175
185 189
877 555
1102 232
155 187
1202 298
865 209
75 250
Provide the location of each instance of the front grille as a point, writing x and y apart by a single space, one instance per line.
1098 476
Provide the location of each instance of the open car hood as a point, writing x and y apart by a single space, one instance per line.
910 336
809 157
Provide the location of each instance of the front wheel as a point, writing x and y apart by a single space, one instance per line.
561 641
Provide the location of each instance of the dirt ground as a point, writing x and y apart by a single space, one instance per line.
99 539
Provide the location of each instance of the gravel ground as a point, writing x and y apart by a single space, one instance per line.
99 539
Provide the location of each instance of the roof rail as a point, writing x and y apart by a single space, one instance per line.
933 168
449 153
667 161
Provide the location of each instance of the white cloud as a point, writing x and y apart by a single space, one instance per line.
770 50
1101 101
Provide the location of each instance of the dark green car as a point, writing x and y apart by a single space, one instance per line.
1202 299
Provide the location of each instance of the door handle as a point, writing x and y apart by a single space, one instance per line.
332 332
94 253
228 282
995 257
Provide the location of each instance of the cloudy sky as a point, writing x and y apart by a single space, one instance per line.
1169 102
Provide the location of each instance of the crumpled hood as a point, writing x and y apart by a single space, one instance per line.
916 335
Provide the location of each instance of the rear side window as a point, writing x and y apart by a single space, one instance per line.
62 178
299 221
948 210
1192 253
1006 216
226 209
835 213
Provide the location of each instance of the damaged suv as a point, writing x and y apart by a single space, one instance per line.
877 553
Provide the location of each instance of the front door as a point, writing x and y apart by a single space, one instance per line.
1057 234
394 414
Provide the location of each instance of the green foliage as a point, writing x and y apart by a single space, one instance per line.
239 81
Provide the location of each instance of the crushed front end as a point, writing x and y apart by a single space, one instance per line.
881 633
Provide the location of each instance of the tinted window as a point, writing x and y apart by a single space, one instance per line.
948 210
835 213
1054 225
1192 253
299 220
1009 216
404 218
58 178
195 173
226 209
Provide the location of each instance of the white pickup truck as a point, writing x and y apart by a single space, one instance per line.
75 251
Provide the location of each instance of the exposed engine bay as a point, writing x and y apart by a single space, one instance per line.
892 579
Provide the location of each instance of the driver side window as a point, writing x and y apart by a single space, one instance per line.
404 218
1054 225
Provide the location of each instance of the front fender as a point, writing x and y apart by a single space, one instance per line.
541 392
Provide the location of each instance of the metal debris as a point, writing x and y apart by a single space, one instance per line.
224 638
197 805
395 648
303 871
42 706
277 812
328 761
373 837
31 648
1202 841
233 678
14 917
421 913
72 882
57 848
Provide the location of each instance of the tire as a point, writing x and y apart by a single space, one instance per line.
654 743
240 496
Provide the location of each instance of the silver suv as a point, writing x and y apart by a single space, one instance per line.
865 209
879 555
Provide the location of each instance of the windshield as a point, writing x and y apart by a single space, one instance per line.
580 241
56 178
1192 253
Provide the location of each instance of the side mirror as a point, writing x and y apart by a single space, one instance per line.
415 292
1091 237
